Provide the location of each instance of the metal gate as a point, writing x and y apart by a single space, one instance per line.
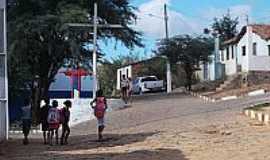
4 123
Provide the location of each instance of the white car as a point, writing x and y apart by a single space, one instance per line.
147 84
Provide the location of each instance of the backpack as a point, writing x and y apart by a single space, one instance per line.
53 116
100 107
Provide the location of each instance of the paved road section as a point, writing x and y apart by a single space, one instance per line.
179 127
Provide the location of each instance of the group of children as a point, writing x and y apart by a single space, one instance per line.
52 118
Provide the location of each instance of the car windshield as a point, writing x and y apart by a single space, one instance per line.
149 79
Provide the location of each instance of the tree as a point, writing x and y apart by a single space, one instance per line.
40 43
226 26
187 51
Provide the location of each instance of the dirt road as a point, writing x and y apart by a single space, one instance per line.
176 128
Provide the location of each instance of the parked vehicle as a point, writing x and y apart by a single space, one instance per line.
147 84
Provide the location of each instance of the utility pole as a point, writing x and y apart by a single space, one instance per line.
94 85
247 19
4 116
95 27
169 79
216 56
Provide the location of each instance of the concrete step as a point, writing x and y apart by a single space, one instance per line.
227 82
219 89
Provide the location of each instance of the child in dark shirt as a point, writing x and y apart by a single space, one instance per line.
65 117
44 124
26 120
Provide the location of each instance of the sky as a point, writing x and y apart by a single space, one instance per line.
185 17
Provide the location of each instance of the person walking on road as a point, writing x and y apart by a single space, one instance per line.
44 123
65 117
124 88
26 120
129 90
100 108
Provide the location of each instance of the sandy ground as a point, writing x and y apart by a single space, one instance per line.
182 128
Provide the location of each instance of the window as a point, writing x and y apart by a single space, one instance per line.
120 75
149 79
227 53
269 50
222 55
232 52
244 51
127 73
254 49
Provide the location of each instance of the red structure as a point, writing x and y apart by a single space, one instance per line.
76 74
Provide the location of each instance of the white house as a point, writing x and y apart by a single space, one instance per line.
132 70
248 52
3 75
125 70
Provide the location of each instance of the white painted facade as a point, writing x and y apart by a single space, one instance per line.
250 53
127 71
4 120
229 58
211 71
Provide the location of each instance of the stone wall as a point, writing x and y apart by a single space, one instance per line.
258 77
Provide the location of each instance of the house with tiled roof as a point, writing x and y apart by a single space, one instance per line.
248 53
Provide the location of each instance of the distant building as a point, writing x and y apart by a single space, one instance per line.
248 53
71 83
4 120
210 71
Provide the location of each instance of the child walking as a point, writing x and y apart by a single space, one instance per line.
54 122
26 120
44 123
100 108
65 117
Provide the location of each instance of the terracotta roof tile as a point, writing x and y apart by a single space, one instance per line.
263 30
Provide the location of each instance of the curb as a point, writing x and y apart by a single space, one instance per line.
258 115
35 131
233 97
205 98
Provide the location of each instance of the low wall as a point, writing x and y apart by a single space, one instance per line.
258 77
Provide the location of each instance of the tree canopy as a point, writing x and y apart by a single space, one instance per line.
40 42
226 26
187 51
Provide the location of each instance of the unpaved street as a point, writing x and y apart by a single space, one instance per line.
175 128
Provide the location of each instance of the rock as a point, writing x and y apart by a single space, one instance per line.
226 133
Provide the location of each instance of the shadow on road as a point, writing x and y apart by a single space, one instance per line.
157 154
86 147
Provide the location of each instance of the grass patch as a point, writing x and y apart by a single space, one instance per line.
259 107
